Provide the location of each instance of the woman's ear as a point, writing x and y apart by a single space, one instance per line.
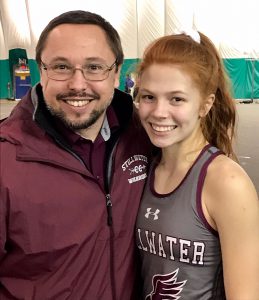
206 105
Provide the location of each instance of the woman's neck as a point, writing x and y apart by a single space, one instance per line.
174 164
182 153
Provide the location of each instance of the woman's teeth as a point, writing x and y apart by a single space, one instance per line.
163 128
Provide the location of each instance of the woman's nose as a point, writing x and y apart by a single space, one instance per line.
161 109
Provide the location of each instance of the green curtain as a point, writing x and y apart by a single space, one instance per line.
129 66
34 72
244 75
5 80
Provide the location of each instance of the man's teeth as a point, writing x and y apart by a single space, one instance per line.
163 128
77 103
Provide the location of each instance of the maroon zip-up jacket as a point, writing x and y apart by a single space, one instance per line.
62 237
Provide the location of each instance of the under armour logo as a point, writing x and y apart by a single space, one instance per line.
154 214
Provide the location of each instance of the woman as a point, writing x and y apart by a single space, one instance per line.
198 224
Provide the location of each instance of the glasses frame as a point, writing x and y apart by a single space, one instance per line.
46 67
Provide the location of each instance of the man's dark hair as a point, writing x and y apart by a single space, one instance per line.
83 17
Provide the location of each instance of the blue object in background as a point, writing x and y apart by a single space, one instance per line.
22 83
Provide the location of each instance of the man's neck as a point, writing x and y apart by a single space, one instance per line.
91 132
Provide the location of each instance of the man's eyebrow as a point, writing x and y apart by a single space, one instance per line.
59 58
96 59
86 60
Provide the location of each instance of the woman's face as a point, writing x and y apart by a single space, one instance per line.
169 105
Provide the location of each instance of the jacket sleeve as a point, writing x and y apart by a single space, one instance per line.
3 220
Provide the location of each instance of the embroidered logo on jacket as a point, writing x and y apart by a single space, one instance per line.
136 167
166 287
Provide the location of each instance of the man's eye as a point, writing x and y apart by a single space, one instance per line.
61 67
94 68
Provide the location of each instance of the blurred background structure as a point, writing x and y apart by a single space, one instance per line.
231 25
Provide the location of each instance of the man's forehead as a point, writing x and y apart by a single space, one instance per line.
77 29
82 40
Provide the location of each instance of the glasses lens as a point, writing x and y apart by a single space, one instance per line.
95 71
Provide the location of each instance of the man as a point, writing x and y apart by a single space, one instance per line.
73 165
129 83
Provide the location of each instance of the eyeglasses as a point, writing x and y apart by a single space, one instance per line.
65 71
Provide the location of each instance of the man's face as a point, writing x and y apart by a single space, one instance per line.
79 103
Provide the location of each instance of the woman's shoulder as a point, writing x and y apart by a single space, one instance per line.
226 179
224 170
228 190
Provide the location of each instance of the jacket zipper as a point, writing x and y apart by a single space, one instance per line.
109 209
110 224
110 218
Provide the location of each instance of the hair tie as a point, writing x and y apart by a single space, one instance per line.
193 33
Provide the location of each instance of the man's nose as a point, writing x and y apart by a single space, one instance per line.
77 80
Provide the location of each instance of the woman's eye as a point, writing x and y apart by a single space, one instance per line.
147 97
176 100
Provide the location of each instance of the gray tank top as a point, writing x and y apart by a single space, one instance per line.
180 251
